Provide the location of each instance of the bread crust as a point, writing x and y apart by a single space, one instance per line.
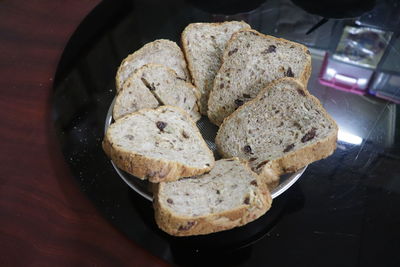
179 225
297 159
191 62
155 170
214 117
131 57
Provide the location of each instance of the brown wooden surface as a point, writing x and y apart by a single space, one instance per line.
45 220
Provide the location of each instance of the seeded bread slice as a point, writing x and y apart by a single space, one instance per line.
153 85
160 144
230 195
164 52
283 129
203 45
251 60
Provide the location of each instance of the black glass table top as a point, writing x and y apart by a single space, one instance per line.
343 211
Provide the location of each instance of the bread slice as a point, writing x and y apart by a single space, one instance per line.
164 52
203 45
251 60
160 144
283 129
230 195
153 85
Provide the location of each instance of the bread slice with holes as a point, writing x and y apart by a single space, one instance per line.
282 130
203 45
230 195
163 52
153 85
251 60
160 144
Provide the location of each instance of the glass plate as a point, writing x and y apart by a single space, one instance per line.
208 131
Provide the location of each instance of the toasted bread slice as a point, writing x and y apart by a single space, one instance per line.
160 144
153 85
252 60
163 52
230 195
284 129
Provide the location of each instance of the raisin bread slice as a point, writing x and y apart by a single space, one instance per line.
230 195
160 144
153 85
164 52
251 60
203 45
283 129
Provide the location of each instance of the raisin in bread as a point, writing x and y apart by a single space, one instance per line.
203 45
160 144
153 85
230 195
251 60
164 52
283 129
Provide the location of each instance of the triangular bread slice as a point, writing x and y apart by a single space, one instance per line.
160 144
153 85
203 45
283 128
230 195
251 60
164 52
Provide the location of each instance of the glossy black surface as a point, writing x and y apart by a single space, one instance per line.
344 210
